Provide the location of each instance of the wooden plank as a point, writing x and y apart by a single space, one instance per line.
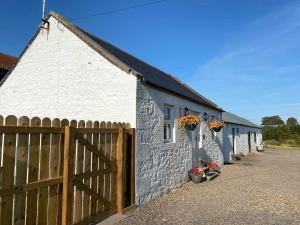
87 167
108 182
95 167
44 174
79 169
21 172
63 123
9 149
114 157
101 166
120 177
1 151
54 172
132 186
97 130
30 186
29 130
91 174
33 169
67 200
89 192
91 148
73 123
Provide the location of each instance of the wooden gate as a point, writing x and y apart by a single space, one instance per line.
63 172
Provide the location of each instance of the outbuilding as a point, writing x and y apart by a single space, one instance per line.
240 136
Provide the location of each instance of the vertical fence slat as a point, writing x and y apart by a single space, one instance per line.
108 155
54 172
132 186
79 169
1 181
95 167
67 200
33 169
44 174
8 171
101 180
120 172
87 167
114 156
21 172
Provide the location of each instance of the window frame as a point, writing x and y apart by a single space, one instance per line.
168 133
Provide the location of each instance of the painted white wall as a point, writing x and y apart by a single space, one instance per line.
61 76
241 140
162 166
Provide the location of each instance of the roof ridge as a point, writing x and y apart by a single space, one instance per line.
134 65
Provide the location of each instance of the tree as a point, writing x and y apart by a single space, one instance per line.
272 121
292 121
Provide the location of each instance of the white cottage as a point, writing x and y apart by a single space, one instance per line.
66 72
240 136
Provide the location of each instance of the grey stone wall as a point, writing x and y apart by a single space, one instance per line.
162 166
241 140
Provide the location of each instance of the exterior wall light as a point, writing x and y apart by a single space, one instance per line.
205 116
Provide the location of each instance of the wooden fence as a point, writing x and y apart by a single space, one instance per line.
63 172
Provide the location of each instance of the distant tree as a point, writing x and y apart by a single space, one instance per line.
272 121
292 121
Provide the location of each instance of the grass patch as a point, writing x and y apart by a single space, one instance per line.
284 147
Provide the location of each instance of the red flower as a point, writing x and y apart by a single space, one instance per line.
212 165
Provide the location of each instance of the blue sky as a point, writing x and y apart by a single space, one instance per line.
244 55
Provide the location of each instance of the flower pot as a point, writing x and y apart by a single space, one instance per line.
196 179
217 129
212 170
190 127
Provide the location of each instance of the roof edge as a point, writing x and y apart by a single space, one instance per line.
77 31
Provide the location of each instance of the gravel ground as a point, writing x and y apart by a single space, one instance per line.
263 188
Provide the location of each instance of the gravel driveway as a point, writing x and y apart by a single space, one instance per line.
263 188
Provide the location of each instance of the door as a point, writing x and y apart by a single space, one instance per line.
249 141
195 146
233 141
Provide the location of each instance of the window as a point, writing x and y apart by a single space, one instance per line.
168 124
255 137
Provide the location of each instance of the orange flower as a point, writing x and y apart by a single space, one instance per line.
189 120
216 124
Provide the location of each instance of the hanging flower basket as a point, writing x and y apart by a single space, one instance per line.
190 127
216 125
217 129
189 122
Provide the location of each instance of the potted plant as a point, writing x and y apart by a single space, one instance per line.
216 125
189 122
213 167
196 175
201 163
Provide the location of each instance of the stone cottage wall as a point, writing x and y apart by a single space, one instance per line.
241 140
162 166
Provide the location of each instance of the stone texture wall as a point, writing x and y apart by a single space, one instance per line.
241 140
162 166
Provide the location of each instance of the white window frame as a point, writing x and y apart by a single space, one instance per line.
169 122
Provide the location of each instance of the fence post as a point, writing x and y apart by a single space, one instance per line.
120 172
67 196
132 191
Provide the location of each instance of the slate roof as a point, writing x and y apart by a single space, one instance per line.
131 64
7 61
232 118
